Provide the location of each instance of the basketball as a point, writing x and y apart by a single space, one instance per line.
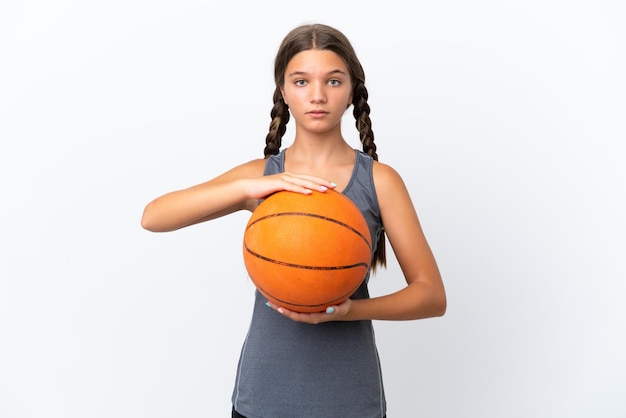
307 252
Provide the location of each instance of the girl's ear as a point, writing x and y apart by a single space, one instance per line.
282 93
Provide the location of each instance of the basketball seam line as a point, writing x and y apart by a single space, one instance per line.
313 215
302 266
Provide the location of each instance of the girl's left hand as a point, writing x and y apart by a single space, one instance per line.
333 313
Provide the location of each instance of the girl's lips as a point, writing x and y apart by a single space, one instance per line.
317 113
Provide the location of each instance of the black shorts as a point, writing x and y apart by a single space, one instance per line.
238 415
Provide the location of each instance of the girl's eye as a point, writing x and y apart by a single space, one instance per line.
334 82
300 83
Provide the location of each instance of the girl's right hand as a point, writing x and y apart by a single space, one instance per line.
264 186
239 188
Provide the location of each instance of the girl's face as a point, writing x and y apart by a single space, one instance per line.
317 89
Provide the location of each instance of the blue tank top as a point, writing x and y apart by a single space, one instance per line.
289 369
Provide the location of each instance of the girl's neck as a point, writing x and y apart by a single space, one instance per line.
332 161
320 152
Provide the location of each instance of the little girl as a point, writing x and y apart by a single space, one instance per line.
318 365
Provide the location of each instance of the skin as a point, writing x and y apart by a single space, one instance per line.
318 91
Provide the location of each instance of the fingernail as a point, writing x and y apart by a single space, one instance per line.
333 184
330 309
280 310
269 305
323 188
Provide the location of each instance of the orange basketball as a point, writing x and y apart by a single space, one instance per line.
307 252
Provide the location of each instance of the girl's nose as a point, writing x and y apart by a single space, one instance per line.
318 93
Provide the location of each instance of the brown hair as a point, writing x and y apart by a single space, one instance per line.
323 37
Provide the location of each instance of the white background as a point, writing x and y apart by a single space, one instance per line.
506 120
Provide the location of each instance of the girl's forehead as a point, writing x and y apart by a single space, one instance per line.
316 60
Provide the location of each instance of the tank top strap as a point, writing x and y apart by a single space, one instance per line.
275 164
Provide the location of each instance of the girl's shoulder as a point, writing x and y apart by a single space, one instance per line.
256 164
252 168
385 175
390 187
249 169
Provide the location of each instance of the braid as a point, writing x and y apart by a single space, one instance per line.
278 126
363 123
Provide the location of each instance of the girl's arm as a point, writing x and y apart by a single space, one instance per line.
424 296
237 189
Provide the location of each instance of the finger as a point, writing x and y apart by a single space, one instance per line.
309 182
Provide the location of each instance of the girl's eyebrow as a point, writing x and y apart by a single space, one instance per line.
333 72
